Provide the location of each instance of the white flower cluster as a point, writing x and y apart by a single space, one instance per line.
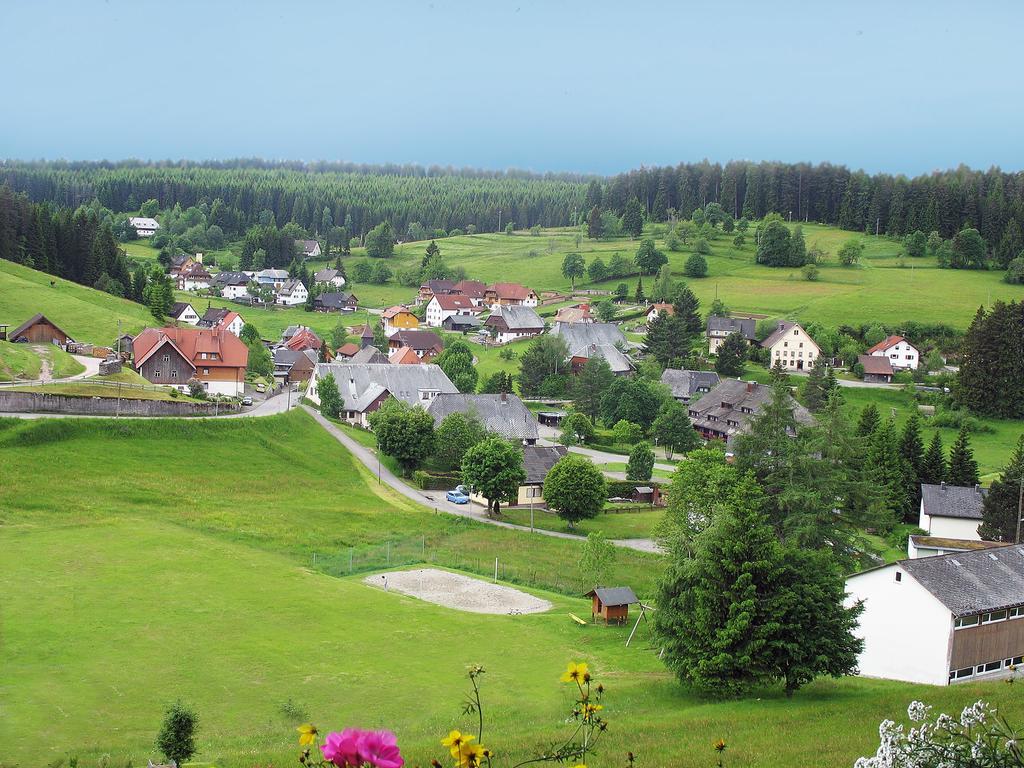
979 737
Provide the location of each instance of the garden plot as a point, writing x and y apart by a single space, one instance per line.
463 593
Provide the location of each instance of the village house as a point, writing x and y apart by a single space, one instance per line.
426 344
790 346
144 226
951 511
271 279
232 285
462 323
292 365
365 387
346 351
537 462
727 410
933 546
902 355
578 314
182 312
940 620
502 414
587 340
657 310
222 319
473 290
432 288
509 294
876 369
336 302
514 321
292 293
368 355
331 277
720 328
195 277
39 329
442 306
174 355
404 356
685 385
308 249
300 338
398 318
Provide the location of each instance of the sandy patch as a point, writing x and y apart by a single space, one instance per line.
453 590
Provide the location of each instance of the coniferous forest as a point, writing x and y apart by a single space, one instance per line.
360 197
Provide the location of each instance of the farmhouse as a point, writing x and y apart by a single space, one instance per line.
293 292
509 294
174 355
182 312
144 226
41 330
501 414
432 288
336 302
404 356
658 309
194 277
304 338
398 318
365 387
294 365
727 410
514 321
232 285
271 278
901 353
684 385
951 511
347 351
474 290
940 620
720 328
578 314
426 344
876 369
790 346
537 462
370 355
308 249
330 277
222 319
612 603
587 340
442 306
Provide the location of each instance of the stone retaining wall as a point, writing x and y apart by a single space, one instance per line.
41 402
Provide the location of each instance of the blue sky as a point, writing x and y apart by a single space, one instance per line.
582 86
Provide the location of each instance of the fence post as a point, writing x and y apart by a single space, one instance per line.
423 548
351 556
389 553
314 560
495 570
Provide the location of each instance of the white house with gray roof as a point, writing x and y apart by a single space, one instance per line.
720 328
366 386
951 511
587 340
509 322
502 414
940 620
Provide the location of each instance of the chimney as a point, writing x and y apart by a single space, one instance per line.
977 488
750 386
942 485
504 397
782 325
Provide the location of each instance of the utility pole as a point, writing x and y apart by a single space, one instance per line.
878 223
1020 507
499 220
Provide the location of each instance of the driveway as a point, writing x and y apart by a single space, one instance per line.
92 367
436 499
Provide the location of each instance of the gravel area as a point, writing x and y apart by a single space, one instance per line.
453 590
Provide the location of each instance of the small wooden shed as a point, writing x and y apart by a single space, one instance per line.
611 603
40 329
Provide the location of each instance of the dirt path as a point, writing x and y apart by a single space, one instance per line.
45 366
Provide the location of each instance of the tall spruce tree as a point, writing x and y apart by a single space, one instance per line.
963 469
884 467
1003 505
633 218
933 465
912 453
869 420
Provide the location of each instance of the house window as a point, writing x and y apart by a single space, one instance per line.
899 576
203 355
206 371
992 618
1016 613
796 332
174 374
967 621
167 358
156 374
785 343
959 674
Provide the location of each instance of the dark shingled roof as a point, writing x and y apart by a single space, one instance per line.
973 582
876 366
953 500
503 414
745 326
684 384
539 459
614 595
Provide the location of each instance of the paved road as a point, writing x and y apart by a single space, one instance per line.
603 457
436 499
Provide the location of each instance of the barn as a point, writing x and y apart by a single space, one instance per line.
612 603
40 330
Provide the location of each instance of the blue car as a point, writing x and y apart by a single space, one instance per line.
457 497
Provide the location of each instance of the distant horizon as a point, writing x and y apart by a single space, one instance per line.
592 87
462 168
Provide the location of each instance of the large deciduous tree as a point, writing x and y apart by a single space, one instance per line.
575 489
404 433
456 360
494 469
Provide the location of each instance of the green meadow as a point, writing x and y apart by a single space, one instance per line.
127 586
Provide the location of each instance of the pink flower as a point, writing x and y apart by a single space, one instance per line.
342 748
353 748
380 749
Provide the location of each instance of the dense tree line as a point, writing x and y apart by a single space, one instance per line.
360 197
991 379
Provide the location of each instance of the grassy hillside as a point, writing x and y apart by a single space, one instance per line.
85 313
18 361
126 589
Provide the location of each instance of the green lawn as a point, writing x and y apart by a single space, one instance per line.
614 525
18 361
126 588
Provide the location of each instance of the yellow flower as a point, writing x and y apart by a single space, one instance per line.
576 673
581 765
455 739
720 746
590 709
469 755
307 734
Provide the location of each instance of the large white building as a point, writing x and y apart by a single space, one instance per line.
293 292
901 353
443 306
792 347
939 620
144 226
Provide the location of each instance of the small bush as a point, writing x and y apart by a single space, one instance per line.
952 419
